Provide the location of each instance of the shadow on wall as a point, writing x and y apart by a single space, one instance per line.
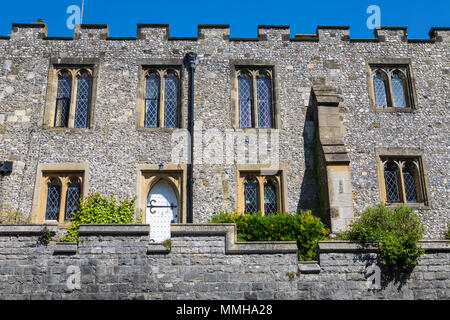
309 194
388 275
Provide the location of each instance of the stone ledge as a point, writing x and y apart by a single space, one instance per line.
308 267
345 246
157 248
231 244
435 245
355 247
25 230
114 229
65 248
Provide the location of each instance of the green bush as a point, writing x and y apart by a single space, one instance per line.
447 233
101 210
396 232
304 228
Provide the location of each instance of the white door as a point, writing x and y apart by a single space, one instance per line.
161 211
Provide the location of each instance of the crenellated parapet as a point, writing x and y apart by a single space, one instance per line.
155 32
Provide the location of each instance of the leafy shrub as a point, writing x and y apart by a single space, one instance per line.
101 210
11 216
447 233
46 236
304 228
396 232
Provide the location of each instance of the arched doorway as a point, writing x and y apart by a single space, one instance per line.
162 210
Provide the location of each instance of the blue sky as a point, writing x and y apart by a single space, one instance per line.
243 16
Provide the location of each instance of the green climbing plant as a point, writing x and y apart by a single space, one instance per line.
98 209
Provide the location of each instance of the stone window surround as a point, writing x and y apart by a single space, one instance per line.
260 171
150 63
402 153
57 64
235 65
150 174
411 97
46 170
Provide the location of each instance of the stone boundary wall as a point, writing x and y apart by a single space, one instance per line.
204 261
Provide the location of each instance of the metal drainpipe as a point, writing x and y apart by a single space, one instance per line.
192 61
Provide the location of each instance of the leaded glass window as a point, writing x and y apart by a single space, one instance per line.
255 105
162 97
245 101
398 91
410 184
391 179
270 199
392 86
152 101
379 86
53 200
83 101
264 102
72 111
63 100
259 193
251 197
72 199
171 102
64 191
403 180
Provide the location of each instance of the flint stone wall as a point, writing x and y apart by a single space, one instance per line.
113 147
203 262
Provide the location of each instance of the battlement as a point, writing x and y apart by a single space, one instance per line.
155 32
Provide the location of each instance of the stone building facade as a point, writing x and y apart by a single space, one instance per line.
358 121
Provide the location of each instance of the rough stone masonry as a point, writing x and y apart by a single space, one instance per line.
205 262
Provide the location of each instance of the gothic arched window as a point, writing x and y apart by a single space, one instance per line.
259 193
162 98
73 97
255 97
53 200
171 101
83 101
152 101
270 198
72 198
63 192
251 197
379 86
403 180
63 97
264 102
392 87
245 102
398 91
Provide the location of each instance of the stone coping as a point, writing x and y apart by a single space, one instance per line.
351 247
25 230
114 229
232 246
